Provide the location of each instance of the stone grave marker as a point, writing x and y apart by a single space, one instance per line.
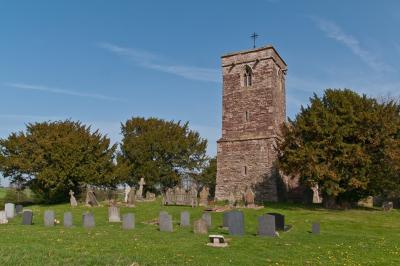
200 227
18 209
128 221
185 218
387 206
72 199
88 220
204 194
9 208
48 218
225 219
207 217
165 222
279 221
113 215
236 223
3 217
315 228
68 219
27 217
266 225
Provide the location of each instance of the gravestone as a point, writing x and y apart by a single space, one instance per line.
9 208
127 190
68 219
225 219
27 217
128 221
150 196
207 217
18 209
113 215
236 223
165 222
72 199
88 220
185 219
193 196
204 194
231 199
315 228
387 206
139 193
131 197
91 200
3 217
200 227
249 197
266 225
279 221
49 218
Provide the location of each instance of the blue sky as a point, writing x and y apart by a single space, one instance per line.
102 62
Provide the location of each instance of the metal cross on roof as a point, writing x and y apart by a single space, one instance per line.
254 36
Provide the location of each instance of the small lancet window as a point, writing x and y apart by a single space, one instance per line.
247 77
247 116
245 170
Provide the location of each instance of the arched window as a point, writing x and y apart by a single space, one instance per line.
247 77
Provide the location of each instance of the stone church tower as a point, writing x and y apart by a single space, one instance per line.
253 110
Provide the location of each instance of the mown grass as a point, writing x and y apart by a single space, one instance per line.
354 237
3 192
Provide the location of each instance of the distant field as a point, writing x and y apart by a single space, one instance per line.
353 237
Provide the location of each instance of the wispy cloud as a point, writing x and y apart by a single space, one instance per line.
333 31
40 88
151 61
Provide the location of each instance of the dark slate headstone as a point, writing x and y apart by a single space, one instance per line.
165 222
88 220
27 217
236 223
48 218
68 219
19 208
315 228
266 225
185 218
279 221
207 217
225 219
128 221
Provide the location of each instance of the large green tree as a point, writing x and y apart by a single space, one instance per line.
160 151
208 175
53 157
346 143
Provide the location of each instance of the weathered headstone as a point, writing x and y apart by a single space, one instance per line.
150 196
72 199
200 227
139 193
127 190
9 208
3 217
236 223
207 217
165 222
387 206
279 221
91 200
27 217
131 198
48 218
185 218
204 194
18 209
316 194
88 220
266 225
128 221
68 219
249 197
113 215
225 219
315 228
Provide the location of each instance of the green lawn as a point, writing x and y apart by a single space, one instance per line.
2 192
352 237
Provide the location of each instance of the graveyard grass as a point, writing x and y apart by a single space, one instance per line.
350 237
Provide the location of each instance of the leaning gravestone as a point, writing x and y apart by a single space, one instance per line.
113 215
128 221
165 222
18 209
207 217
68 219
236 223
266 225
27 217
3 217
225 219
88 220
185 218
200 227
315 228
9 208
49 218
279 221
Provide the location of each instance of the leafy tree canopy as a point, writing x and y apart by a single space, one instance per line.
53 157
346 143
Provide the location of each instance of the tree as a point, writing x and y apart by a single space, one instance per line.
346 143
208 175
54 157
160 151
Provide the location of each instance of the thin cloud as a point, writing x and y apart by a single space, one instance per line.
151 61
41 88
333 31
